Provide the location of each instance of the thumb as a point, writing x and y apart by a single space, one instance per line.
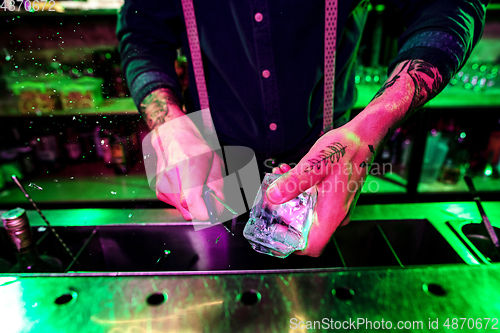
296 181
312 169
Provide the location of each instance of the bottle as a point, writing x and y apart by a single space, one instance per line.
25 152
27 159
72 146
18 230
133 147
119 152
105 146
386 159
435 153
455 160
492 153
89 148
48 152
96 137
406 146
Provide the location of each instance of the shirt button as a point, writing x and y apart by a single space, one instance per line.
273 127
266 73
258 17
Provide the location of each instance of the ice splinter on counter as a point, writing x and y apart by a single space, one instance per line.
33 185
279 230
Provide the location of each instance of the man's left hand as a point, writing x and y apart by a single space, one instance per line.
339 161
337 164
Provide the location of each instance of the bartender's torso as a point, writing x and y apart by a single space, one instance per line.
263 63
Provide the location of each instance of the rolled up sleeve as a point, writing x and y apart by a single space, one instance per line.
149 36
440 32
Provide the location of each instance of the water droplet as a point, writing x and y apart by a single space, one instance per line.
33 185
112 192
129 215
41 229
55 180
71 178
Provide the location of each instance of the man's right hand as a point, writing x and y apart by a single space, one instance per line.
185 160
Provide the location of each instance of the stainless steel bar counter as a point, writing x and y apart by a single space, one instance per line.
417 267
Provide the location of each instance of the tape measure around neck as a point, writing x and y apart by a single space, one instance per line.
330 44
197 62
331 9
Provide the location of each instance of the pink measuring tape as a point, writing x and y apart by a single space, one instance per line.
199 74
331 10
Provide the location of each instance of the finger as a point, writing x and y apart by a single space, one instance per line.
352 206
332 210
277 170
298 179
284 167
172 199
192 174
319 236
215 181
346 220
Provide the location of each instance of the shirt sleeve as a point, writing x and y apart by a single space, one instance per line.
441 32
149 36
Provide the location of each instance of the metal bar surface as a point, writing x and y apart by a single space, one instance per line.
272 302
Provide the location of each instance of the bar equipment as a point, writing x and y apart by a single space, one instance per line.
486 222
18 230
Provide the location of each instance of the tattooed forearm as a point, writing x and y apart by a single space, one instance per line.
411 85
389 83
427 82
157 106
331 154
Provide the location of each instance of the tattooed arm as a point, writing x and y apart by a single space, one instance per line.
337 163
410 86
159 107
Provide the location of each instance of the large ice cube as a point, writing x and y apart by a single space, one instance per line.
279 230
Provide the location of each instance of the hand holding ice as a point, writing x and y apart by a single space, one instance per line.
279 230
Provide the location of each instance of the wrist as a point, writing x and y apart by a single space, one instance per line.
160 106
375 124
181 129
411 84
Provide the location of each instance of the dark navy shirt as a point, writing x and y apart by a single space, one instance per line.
264 72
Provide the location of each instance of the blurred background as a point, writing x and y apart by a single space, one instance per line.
71 133
69 128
